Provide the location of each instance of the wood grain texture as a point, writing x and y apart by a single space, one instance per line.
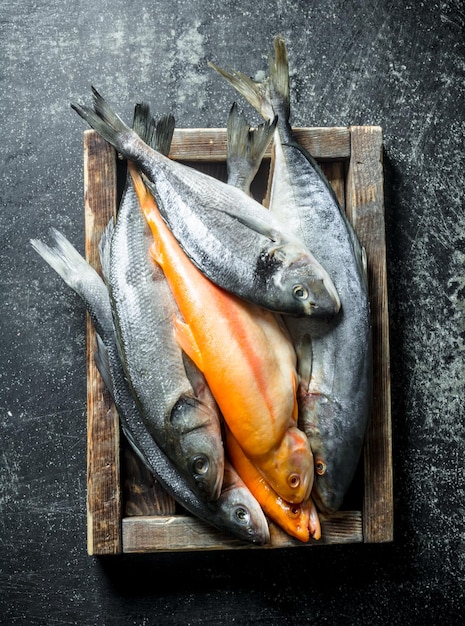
142 493
365 207
210 144
182 533
103 442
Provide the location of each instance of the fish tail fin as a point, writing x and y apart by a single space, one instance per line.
157 135
107 124
164 134
246 148
270 96
143 123
279 79
255 92
64 259
80 276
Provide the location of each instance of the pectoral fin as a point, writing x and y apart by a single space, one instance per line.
186 340
256 224
156 255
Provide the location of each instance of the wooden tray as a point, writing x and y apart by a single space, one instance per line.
127 510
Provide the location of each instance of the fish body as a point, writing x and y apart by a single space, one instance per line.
227 234
334 353
179 411
247 360
235 511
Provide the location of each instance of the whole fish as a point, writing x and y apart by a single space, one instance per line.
246 357
228 235
236 511
178 410
334 353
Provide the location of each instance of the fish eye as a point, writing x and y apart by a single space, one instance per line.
200 464
295 510
320 467
242 515
293 481
300 292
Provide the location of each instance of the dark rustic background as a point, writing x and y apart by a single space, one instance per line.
396 64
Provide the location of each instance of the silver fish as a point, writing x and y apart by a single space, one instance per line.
334 354
179 411
236 511
229 236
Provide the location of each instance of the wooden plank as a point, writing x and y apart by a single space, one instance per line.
142 493
365 207
103 444
334 172
182 533
209 144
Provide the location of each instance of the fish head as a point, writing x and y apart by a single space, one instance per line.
197 445
336 453
289 467
306 286
302 520
243 513
296 520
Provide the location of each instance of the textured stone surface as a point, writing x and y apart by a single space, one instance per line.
396 64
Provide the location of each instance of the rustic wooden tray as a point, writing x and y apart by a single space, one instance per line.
127 510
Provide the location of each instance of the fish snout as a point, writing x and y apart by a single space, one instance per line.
312 289
323 298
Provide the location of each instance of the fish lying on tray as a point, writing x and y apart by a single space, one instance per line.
232 238
222 319
235 511
175 403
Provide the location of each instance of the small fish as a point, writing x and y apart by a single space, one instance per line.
246 358
236 511
228 235
179 410
334 353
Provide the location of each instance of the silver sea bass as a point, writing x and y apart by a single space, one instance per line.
235 511
175 403
229 236
334 354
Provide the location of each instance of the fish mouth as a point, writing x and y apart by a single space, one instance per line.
260 535
325 299
333 295
317 294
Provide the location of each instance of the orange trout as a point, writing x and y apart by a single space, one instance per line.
246 358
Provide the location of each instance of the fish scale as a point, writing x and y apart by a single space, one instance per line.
179 412
229 236
235 511
334 353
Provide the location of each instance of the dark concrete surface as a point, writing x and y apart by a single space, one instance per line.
397 64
